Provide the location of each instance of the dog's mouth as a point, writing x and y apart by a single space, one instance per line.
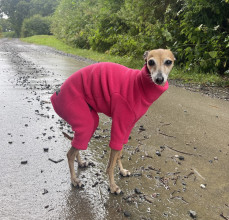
159 79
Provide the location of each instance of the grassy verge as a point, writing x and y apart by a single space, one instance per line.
90 54
177 73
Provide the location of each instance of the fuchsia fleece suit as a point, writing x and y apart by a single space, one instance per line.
115 90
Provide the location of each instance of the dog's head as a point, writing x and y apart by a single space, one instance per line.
159 62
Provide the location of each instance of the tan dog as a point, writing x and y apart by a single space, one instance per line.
159 63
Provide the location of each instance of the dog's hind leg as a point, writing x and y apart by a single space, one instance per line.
123 172
71 155
110 171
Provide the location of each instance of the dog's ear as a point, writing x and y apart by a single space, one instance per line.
145 55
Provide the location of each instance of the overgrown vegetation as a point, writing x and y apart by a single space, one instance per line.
136 63
36 25
19 10
197 31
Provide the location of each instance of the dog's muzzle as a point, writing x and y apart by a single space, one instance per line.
159 79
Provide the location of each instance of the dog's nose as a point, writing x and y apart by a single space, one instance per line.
159 80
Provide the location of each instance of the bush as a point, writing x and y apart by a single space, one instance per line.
10 34
36 25
195 30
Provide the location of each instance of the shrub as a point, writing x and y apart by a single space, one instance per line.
10 34
36 25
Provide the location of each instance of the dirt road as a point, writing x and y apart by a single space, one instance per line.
178 152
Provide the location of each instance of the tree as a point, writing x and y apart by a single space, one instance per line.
6 25
43 7
36 25
18 10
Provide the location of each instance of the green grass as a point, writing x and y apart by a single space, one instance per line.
177 73
208 79
90 54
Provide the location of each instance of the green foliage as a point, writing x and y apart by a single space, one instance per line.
178 73
18 10
5 24
9 34
204 29
36 25
196 30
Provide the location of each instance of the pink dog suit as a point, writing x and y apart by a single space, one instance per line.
115 90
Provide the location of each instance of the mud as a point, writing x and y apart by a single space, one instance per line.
178 152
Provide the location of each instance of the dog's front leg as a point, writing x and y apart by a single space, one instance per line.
71 155
123 171
81 163
110 171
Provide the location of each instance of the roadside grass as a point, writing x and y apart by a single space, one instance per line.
177 73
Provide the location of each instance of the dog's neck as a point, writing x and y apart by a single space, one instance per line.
150 91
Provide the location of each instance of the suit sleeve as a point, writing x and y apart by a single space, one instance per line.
123 120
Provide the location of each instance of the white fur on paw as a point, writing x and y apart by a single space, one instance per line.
76 182
115 189
83 164
125 172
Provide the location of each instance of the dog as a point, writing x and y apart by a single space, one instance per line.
119 92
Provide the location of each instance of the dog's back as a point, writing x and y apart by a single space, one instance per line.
97 83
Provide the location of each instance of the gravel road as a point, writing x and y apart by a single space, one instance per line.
178 152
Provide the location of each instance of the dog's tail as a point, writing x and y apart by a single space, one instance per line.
67 136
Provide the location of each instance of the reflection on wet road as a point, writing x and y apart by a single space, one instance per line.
178 152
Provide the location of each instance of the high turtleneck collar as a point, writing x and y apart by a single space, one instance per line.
150 91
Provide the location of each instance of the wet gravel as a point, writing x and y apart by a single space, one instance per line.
172 177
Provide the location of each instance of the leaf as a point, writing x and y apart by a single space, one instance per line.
213 54
217 62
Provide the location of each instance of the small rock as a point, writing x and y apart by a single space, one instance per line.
137 191
203 186
24 162
95 184
158 153
46 206
141 128
97 136
91 164
192 214
215 158
155 195
10 142
181 158
45 149
26 125
45 192
149 199
127 214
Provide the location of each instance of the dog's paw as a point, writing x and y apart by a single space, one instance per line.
114 189
76 183
83 164
125 173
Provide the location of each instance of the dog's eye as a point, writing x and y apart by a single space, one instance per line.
168 62
151 62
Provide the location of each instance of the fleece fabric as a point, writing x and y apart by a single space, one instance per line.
119 92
